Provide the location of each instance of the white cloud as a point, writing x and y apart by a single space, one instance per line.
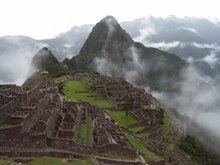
148 29
47 18
67 45
211 59
209 46
187 29
163 45
15 64
199 100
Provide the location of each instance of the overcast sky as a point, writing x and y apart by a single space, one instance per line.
47 18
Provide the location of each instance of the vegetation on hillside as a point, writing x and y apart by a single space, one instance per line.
197 151
45 60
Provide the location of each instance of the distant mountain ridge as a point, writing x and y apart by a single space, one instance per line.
167 30
192 39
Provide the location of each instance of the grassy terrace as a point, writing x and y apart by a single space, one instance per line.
139 146
46 160
4 125
4 161
124 120
114 155
78 91
141 135
85 135
89 133
167 120
82 134
56 161
62 79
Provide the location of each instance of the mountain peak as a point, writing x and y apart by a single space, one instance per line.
106 39
45 60
110 50
43 52
110 20
107 26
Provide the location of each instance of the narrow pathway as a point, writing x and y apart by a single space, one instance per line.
140 157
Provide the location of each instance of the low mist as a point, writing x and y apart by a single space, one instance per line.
197 100
15 59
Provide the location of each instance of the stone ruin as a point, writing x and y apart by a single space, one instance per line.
136 100
38 121
140 107
35 119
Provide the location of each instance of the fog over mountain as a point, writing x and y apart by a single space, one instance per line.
110 50
195 40
16 52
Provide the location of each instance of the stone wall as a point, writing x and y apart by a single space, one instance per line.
78 121
38 140
14 120
68 145
25 98
34 116
25 109
5 99
51 123
116 148
9 139
117 162
5 110
35 154
18 138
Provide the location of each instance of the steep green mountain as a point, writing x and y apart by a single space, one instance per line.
45 60
111 51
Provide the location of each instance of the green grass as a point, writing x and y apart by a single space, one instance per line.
82 133
124 120
56 161
62 79
89 136
79 162
47 161
7 126
114 155
85 134
142 135
4 161
167 123
85 161
39 78
139 146
76 91
171 146
136 129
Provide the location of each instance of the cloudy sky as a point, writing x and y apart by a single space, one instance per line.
46 18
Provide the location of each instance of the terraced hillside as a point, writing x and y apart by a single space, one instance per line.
85 118
147 127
